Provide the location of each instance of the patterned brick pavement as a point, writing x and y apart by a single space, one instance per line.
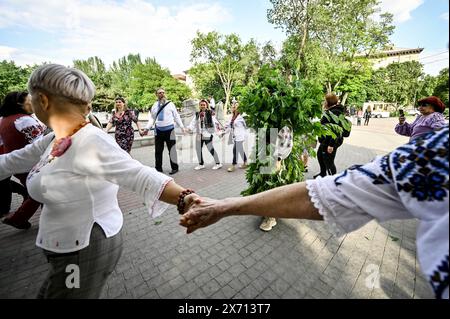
233 258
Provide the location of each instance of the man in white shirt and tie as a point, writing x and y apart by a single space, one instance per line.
164 125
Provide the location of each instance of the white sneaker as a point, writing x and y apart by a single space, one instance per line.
268 223
217 166
199 167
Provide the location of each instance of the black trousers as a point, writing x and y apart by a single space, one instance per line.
5 196
238 147
169 138
199 142
326 160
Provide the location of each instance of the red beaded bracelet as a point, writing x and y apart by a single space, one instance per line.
181 204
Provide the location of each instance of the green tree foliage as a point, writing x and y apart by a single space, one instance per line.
223 59
426 86
147 77
441 89
121 73
207 81
96 70
354 85
275 102
297 18
128 77
13 77
132 79
332 38
397 83
268 53
251 61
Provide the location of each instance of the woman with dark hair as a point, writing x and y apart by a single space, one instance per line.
123 119
204 124
367 116
430 118
328 145
19 128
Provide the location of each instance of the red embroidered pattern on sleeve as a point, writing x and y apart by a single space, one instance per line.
32 132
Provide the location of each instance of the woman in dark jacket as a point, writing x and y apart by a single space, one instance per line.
328 145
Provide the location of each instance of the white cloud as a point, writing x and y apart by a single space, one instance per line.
444 16
111 30
6 53
401 9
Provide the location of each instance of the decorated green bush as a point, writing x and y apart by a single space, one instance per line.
275 102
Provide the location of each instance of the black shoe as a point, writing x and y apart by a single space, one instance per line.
174 171
306 169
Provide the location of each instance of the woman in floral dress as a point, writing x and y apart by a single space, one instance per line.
123 120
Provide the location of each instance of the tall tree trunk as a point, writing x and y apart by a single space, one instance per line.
227 86
344 98
301 54
227 101
224 81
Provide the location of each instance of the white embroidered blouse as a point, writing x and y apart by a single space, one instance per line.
80 187
238 129
410 182
196 128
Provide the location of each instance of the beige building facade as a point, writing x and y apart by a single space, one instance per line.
399 55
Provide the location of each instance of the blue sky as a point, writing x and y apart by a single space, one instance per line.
60 31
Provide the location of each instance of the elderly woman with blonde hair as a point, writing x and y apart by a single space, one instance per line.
76 172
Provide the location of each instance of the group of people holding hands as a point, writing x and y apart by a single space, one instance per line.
163 117
75 171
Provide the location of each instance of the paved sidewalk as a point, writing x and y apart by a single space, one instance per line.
233 258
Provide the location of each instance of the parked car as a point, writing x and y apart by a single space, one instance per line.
103 117
413 112
380 114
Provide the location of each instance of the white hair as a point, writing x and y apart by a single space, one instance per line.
62 81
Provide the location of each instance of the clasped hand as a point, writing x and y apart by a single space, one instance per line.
201 212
